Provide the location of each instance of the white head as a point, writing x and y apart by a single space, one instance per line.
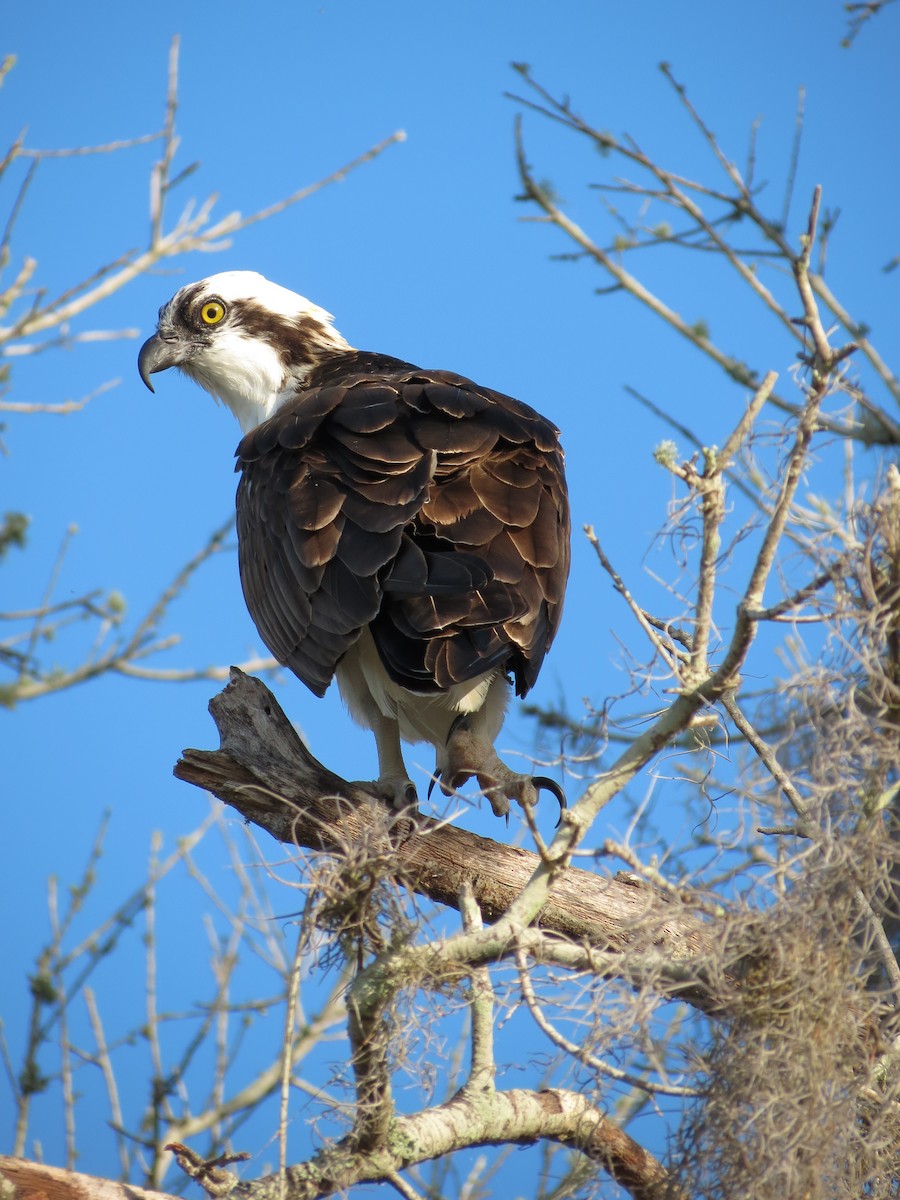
246 340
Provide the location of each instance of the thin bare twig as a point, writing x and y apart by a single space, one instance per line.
579 1053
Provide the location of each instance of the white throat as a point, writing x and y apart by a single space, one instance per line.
248 375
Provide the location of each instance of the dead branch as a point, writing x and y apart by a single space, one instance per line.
517 1116
264 771
35 1181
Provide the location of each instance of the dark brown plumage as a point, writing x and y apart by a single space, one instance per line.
414 502
406 530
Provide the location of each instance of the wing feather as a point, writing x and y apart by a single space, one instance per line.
417 504
313 502
512 505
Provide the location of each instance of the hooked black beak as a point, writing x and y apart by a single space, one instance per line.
158 354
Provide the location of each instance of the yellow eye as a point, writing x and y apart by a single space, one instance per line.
212 312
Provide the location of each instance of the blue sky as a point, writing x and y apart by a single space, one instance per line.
422 254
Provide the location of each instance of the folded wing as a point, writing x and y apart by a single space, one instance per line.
417 504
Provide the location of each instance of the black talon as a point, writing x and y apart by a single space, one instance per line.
434 779
542 783
460 719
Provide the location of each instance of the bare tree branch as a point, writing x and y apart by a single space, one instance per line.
266 773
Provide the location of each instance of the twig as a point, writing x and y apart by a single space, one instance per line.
579 1053
861 11
68 406
287 1057
104 148
669 654
679 191
61 999
210 1173
159 177
832 572
400 1185
192 232
768 758
481 1007
159 1085
37 629
109 1078
794 159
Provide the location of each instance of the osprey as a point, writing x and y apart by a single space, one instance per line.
402 529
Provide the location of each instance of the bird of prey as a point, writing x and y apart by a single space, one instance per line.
405 530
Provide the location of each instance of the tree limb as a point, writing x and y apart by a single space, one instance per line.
35 1181
517 1116
264 771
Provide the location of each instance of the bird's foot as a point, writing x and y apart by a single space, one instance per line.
468 755
510 785
398 790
